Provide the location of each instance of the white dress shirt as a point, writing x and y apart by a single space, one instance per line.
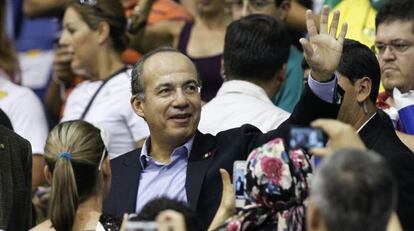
240 102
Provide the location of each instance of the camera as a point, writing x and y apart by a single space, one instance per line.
239 171
306 138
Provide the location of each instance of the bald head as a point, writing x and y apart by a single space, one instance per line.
159 62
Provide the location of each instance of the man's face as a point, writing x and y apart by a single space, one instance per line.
243 8
395 50
349 105
172 104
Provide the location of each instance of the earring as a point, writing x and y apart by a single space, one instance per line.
365 107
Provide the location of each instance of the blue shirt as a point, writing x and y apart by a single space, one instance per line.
163 180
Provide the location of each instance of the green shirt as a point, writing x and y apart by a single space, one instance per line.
291 90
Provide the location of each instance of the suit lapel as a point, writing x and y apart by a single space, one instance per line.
200 159
6 183
130 180
371 132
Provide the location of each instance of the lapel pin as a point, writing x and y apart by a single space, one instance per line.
207 155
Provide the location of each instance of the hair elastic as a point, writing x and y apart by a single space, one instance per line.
65 154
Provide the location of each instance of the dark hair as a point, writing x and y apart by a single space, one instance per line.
76 178
109 11
137 80
151 210
359 61
354 190
396 10
8 61
256 47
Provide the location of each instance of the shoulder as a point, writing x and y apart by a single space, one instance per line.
19 92
126 158
5 132
44 226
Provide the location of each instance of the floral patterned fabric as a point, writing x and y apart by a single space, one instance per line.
276 187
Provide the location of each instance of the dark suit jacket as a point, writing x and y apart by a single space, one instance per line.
379 135
15 181
203 182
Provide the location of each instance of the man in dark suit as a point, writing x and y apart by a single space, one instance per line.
359 77
16 181
179 162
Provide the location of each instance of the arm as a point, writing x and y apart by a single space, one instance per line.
38 163
144 37
39 8
62 75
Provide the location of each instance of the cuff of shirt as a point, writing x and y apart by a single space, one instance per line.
325 91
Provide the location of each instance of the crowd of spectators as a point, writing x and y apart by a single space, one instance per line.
179 115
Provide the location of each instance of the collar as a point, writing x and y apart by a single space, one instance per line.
243 87
144 155
363 125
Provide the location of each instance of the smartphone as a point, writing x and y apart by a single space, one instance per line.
306 138
239 171
132 224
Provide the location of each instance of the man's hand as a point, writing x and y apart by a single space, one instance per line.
340 135
323 50
228 202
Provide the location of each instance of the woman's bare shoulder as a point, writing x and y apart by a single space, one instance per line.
44 226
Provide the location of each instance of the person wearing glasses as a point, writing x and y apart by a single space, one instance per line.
180 162
359 77
79 172
394 46
94 32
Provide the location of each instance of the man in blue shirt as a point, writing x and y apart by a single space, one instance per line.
180 162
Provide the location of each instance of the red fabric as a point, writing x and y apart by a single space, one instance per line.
381 100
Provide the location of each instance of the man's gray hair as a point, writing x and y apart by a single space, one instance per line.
137 80
354 190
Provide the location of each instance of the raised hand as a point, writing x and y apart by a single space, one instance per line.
228 201
323 50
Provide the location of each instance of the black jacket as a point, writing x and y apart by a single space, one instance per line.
203 180
379 135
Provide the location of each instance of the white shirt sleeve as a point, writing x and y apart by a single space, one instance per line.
29 121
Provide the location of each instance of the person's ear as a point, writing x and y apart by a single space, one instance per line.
138 106
103 32
106 168
281 74
48 175
363 88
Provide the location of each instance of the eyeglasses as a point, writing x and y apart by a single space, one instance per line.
397 46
